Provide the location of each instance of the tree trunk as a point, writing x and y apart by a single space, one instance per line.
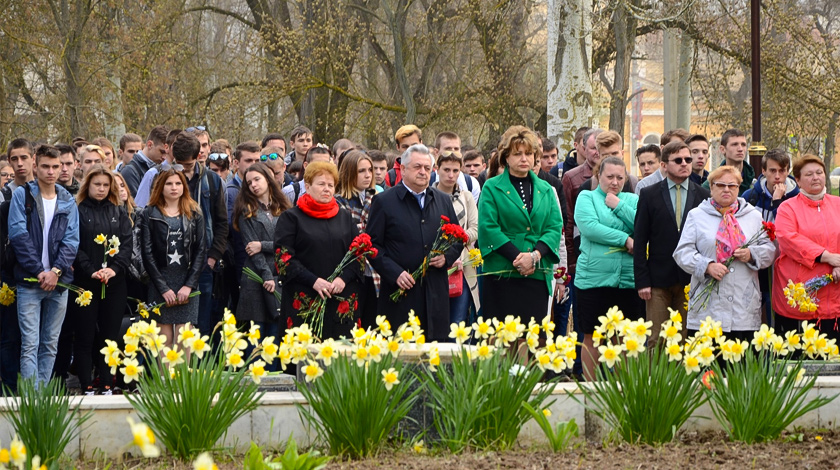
624 24
686 66
830 144
569 103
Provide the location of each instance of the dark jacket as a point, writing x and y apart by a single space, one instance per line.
561 197
153 236
404 234
213 207
762 198
255 303
570 163
235 243
657 236
26 233
747 177
134 171
102 217
317 246
699 179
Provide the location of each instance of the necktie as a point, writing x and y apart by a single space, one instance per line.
419 198
678 204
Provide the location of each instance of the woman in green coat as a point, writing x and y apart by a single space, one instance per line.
520 229
605 217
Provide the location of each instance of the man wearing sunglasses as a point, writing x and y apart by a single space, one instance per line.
273 157
673 135
660 215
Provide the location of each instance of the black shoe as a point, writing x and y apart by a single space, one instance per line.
90 391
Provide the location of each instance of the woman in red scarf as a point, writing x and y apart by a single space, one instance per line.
316 234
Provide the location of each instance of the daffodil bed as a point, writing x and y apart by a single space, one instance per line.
704 450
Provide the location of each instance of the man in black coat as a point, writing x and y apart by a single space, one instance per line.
403 225
660 282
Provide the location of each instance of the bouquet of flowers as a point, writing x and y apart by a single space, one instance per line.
312 310
803 295
111 249
447 235
7 295
712 283
281 260
143 308
83 297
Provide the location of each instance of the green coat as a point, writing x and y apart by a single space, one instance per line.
603 230
502 218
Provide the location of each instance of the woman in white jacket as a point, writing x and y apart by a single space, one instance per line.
713 232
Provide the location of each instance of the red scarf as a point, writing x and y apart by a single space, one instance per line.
315 209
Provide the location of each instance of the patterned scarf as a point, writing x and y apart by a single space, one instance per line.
729 236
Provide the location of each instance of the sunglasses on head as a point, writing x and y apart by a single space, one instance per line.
270 156
680 160
217 156
196 128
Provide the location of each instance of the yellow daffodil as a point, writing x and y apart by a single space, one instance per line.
674 351
394 347
229 318
254 334
421 340
5 457
484 350
113 362
675 315
434 361
7 295
326 352
269 350
100 239
533 341
419 447
36 463
312 371
200 346
375 351
172 356
17 452
413 320
543 360
800 374
131 371
235 359
384 325
390 378
257 371
360 355
110 348
691 363
633 346
186 335
548 326
144 438
483 329
610 354
204 462
546 412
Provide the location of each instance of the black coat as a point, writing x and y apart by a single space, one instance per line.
317 246
102 217
404 234
656 228
561 197
153 244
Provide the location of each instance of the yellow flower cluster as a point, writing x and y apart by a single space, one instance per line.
797 297
475 258
15 457
84 297
144 338
144 438
113 244
204 461
7 295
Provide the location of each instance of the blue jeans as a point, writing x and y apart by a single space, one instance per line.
9 346
459 307
40 315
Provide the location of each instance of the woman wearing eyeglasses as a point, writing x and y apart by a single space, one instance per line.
7 173
807 227
713 232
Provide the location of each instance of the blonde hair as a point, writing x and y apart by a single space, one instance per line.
724 170
406 131
608 139
515 137
316 169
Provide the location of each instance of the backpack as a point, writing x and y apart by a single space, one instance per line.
296 189
7 254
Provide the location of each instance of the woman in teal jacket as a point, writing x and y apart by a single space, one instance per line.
520 229
605 217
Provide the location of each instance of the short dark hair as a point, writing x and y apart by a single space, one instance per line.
185 147
249 146
696 138
445 135
377 156
158 134
547 145
45 151
20 143
126 138
472 155
449 157
173 134
779 156
581 132
649 148
298 131
271 136
679 133
724 139
310 154
64 148
672 148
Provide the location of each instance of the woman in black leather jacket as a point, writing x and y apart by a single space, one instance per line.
173 244
100 213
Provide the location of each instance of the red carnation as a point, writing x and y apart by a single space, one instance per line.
295 305
444 218
770 229
359 323
343 307
373 253
277 251
289 322
355 304
285 257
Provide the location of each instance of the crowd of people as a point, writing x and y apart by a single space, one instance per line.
182 223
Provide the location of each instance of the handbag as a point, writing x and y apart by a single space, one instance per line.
456 283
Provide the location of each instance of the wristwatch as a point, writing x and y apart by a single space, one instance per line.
56 271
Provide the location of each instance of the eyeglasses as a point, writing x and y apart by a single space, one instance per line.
680 160
731 187
196 128
270 156
6 175
217 156
178 167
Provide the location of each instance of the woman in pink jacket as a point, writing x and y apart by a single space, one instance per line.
808 230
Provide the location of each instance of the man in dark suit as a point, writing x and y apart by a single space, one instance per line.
403 225
660 215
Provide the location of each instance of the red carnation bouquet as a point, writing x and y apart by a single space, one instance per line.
312 310
447 235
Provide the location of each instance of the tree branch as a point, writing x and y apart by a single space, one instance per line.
222 11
